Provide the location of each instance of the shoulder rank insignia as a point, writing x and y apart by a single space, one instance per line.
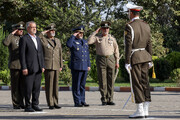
125 33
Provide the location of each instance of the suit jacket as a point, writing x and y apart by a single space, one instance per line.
12 41
79 53
137 35
52 53
30 57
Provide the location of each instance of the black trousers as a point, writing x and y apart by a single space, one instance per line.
32 86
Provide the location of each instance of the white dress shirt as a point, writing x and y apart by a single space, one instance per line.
34 40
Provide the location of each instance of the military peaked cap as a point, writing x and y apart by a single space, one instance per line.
51 26
19 25
105 24
133 7
79 29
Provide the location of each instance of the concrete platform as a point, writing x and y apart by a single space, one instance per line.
164 106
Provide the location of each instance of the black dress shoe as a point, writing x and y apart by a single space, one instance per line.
22 107
16 107
57 106
104 103
29 110
78 105
36 108
110 103
51 107
85 104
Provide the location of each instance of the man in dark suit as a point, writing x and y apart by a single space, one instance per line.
138 57
80 65
32 65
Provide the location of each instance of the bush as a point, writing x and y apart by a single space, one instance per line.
5 76
162 69
175 75
122 70
174 59
93 71
4 52
65 74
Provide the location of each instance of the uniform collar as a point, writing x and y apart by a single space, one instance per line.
135 18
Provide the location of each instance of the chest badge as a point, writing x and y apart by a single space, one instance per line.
48 45
77 48
77 42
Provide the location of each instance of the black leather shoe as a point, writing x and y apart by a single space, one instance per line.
16 107
22 107
36 108
85 104
29 110
104 103
51 107
57 106
110 103
78 105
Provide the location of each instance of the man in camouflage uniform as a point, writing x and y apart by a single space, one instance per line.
53 64
12 42
138 51
107 60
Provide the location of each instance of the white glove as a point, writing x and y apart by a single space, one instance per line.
128 67
150 64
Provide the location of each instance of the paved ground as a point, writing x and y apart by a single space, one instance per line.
164 106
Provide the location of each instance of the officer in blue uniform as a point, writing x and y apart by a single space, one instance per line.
79 65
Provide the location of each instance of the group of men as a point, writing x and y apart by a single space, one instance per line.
31 55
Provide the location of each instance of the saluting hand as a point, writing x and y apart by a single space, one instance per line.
14 31
76 33
98 30
44 32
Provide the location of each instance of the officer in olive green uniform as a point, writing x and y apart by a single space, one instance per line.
12 42
138 51
53 64
107 59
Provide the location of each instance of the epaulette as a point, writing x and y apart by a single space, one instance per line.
129 22
144 21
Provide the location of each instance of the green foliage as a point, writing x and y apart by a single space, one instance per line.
122 70
174 59
65 74
175 76
5 76
162 69
157 44
93 71
4 52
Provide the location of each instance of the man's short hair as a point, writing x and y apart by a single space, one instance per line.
28 23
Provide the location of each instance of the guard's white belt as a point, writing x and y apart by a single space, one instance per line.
134 50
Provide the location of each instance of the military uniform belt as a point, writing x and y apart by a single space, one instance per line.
134 50
106 56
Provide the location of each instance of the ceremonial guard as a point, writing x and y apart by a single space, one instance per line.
53 64
138 51
79 65
12 42
107 60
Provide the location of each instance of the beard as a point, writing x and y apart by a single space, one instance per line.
53 34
